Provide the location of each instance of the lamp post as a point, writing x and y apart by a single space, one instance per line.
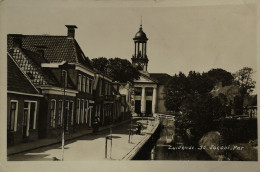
132 105
64 66
63 123
131 130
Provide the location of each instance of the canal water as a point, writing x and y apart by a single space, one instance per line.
159 147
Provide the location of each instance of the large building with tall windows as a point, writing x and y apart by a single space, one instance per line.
149 88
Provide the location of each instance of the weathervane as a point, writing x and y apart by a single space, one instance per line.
141 21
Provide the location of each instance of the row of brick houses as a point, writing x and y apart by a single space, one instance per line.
51 84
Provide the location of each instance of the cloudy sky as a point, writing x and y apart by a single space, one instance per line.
182 37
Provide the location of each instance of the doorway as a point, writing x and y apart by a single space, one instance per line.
138 107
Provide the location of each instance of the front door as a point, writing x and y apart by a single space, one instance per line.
148 107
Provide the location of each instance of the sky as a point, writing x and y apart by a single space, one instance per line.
181 37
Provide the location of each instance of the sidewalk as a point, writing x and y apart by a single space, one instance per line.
50 141
92 146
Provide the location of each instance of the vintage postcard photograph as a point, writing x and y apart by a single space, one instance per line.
111 81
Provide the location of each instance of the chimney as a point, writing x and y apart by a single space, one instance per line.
71 30
17 40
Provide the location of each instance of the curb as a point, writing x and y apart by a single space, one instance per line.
139 145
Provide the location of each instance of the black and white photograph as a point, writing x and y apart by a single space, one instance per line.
110 81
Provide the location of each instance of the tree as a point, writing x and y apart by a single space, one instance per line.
191 96
176 90
120 70
220 75
199 82
243 78
199 114
181 87
101 64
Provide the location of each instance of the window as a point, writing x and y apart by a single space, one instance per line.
84 84
64 78
90 112
148 91
82 111
53 113
79 82
60 111
78 110
86 112
138 91
71 112
109 89
106 88
87 85
66 114
103 88
33 115
12 117
29 119
90 86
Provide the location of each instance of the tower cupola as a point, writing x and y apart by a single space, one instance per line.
139 58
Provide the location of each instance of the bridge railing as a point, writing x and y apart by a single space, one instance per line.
164 116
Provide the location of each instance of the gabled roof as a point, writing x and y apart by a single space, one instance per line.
58 48
146 79
162 78
29 63
16 80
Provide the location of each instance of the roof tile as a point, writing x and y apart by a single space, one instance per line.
16 80
58 48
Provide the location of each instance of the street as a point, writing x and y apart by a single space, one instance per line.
89 147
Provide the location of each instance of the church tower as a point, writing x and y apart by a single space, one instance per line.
139 58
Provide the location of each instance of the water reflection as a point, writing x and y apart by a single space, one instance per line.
162 147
